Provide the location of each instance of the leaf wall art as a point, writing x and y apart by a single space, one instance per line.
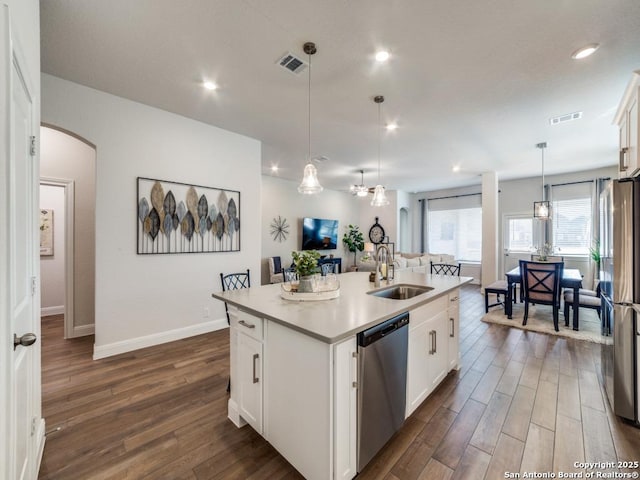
175 217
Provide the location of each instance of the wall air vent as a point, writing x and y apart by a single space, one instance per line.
292 64
565 118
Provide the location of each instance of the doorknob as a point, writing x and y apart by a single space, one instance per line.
25 340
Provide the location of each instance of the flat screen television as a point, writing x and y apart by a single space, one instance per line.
319 234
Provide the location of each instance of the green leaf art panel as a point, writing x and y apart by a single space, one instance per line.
176 217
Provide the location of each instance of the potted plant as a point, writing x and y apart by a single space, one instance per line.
306 264
594 253
354 241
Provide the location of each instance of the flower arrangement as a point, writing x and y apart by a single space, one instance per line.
544 251
306 262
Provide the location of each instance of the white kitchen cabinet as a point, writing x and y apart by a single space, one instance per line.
627 120
249 381
438 344
345 408
246 344
453 352
310 402
427 350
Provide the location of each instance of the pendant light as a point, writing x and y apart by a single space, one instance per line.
310 184
379 197
542 209
360 190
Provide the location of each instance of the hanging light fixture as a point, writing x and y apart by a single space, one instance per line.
310 184
360 190
379 197
542 209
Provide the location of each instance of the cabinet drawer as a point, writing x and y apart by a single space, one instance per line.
247 324
454 299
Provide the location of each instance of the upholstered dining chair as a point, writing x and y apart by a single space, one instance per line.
541 285
445 269
275 270
234 281
586 299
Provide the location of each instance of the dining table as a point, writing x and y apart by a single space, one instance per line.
571 278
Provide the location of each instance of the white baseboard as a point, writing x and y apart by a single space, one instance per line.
83 330
108 350
48 311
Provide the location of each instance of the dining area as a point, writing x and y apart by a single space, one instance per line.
547 282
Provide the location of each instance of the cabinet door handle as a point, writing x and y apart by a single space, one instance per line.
354 370
255 378
453 327
623 158
246 324
432 341
454 299
435 342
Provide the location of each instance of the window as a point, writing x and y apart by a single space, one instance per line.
572 218
519 234
454 227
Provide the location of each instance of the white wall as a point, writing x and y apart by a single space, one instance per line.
52 267
65 157
143 300
387 216
281 197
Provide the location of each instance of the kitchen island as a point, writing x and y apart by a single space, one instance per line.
294 364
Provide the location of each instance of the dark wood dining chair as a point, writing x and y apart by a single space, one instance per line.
548 258
541 285
445 269
234 281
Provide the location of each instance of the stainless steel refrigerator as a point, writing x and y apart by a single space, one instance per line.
620 284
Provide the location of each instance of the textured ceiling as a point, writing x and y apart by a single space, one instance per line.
471 84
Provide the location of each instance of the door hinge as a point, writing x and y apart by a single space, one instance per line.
32 150
33 286
34 422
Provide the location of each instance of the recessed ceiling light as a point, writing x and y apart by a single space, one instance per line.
274 168
456 168
210 85
382 56
585 51
392 126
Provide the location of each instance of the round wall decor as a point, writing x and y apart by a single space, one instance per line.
279 229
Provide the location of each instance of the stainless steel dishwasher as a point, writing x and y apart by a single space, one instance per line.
382 368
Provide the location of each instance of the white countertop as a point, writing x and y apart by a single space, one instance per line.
353 311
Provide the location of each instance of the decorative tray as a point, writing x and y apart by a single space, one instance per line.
323 289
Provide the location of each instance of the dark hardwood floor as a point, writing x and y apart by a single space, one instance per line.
521 402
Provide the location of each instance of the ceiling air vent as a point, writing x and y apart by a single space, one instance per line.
565 118
292 63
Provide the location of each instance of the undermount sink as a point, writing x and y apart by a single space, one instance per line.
400 291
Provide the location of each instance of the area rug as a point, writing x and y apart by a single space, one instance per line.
541 320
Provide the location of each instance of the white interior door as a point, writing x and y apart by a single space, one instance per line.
518 240
25 427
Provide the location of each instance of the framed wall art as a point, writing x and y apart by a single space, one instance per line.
46 232
176 217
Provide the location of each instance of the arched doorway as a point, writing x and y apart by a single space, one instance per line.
404 235
68 161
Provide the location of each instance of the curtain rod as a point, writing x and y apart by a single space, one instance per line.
452 196
581 181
